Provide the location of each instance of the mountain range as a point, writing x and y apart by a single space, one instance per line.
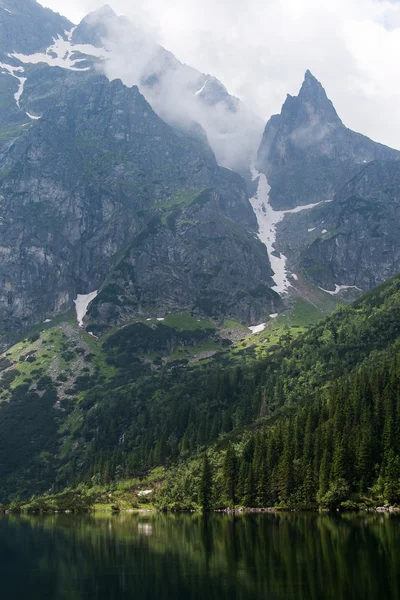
107 188
149 223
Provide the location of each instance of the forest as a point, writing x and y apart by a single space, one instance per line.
315 423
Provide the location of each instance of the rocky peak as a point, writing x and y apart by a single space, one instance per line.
94 28
313 96
311 109
307 153
104 11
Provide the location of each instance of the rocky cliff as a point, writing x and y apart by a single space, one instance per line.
361 245
308 154
100 177
334 196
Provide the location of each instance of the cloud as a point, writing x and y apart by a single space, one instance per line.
260 50
181 95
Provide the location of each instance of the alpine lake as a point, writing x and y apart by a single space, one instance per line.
157 556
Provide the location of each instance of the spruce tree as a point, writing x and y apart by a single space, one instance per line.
205 491
230 474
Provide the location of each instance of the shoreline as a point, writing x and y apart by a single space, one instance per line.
386 509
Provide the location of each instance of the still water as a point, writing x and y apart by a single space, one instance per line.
185 557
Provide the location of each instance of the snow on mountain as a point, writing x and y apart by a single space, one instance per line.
268 219
82 304
64 54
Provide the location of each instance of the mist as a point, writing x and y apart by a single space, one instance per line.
260 50
187 99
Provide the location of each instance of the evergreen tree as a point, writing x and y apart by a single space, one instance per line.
206 484
230 475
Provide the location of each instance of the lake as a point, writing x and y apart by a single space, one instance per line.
184 557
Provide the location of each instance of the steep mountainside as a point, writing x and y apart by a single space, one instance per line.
99 193
331 201
308 154
361 247
25 26
181 95
100 173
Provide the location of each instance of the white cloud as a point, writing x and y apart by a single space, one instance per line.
260 50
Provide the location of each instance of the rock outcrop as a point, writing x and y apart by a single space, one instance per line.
308 154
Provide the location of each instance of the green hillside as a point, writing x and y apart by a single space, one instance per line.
304 418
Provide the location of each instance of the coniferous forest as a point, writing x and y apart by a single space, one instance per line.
316 423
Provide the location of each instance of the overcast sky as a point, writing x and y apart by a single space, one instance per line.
260 50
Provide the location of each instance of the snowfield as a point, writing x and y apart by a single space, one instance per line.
268 219
82 304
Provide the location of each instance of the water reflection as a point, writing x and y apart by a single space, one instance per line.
128 556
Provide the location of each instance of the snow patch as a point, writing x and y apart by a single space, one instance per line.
324 231
161 319
33 117
258 328
6 9
69 34
82 303
47 321
268 219
201 89
295 277
274 316
20 91
339 288
61 54
312 229
12 71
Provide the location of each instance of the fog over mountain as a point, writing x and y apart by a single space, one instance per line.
261 50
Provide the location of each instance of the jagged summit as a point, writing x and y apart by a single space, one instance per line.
311 104
94 28
104 11
307 153
311 88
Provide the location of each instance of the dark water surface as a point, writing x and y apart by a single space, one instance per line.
184 557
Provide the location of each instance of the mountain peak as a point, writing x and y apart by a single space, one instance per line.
312 100
104 12
308 76
93 29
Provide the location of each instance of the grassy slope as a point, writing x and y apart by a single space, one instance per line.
61 357
364 333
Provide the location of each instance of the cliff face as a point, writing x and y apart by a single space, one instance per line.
340 193
26 26
308 154
361 247
100 177
190 256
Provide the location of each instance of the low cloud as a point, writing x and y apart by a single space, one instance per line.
260 50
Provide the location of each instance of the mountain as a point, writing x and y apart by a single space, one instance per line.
28 27
331 198
314 415
360 247
307 154
150 308
99 193
181 95
99 186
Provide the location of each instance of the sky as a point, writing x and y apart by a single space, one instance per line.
260 50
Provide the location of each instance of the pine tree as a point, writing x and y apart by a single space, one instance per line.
230 474
206 482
